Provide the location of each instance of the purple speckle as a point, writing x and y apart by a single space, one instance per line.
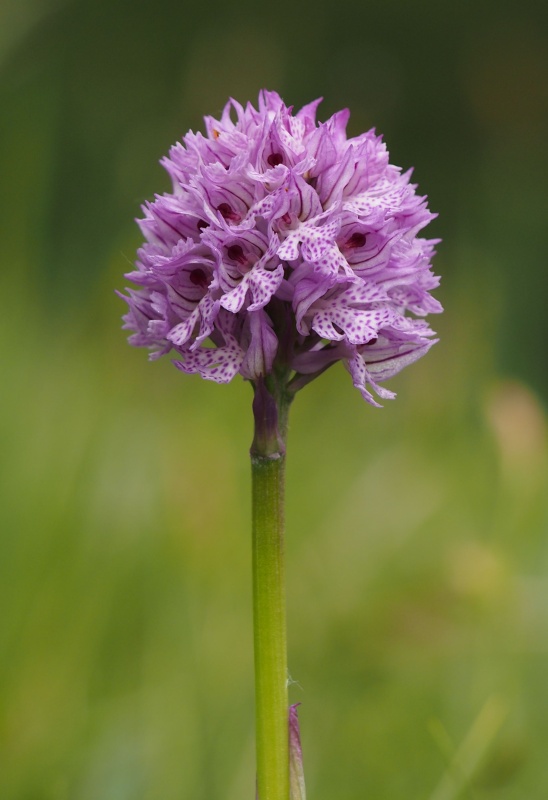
274 159
235 253
228 213
198 278
355 241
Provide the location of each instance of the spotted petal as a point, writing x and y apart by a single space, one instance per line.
361 376
219 364
203 316
260 283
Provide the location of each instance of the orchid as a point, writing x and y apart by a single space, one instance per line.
284 242
283 248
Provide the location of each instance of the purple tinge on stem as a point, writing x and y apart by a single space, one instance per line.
297 789
272 210
267 440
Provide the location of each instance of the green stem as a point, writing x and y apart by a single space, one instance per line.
269 614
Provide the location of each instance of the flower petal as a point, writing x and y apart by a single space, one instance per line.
219 364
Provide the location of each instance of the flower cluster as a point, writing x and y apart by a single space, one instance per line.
284 242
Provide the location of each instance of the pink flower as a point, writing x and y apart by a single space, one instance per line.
284 245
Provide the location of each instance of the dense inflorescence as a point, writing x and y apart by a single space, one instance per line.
284 243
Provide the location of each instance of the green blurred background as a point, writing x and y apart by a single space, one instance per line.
416 535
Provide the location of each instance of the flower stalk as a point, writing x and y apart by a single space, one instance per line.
269 605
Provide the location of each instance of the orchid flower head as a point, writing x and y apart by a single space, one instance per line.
284 243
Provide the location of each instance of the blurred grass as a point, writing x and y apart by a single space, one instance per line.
417 565
416 535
